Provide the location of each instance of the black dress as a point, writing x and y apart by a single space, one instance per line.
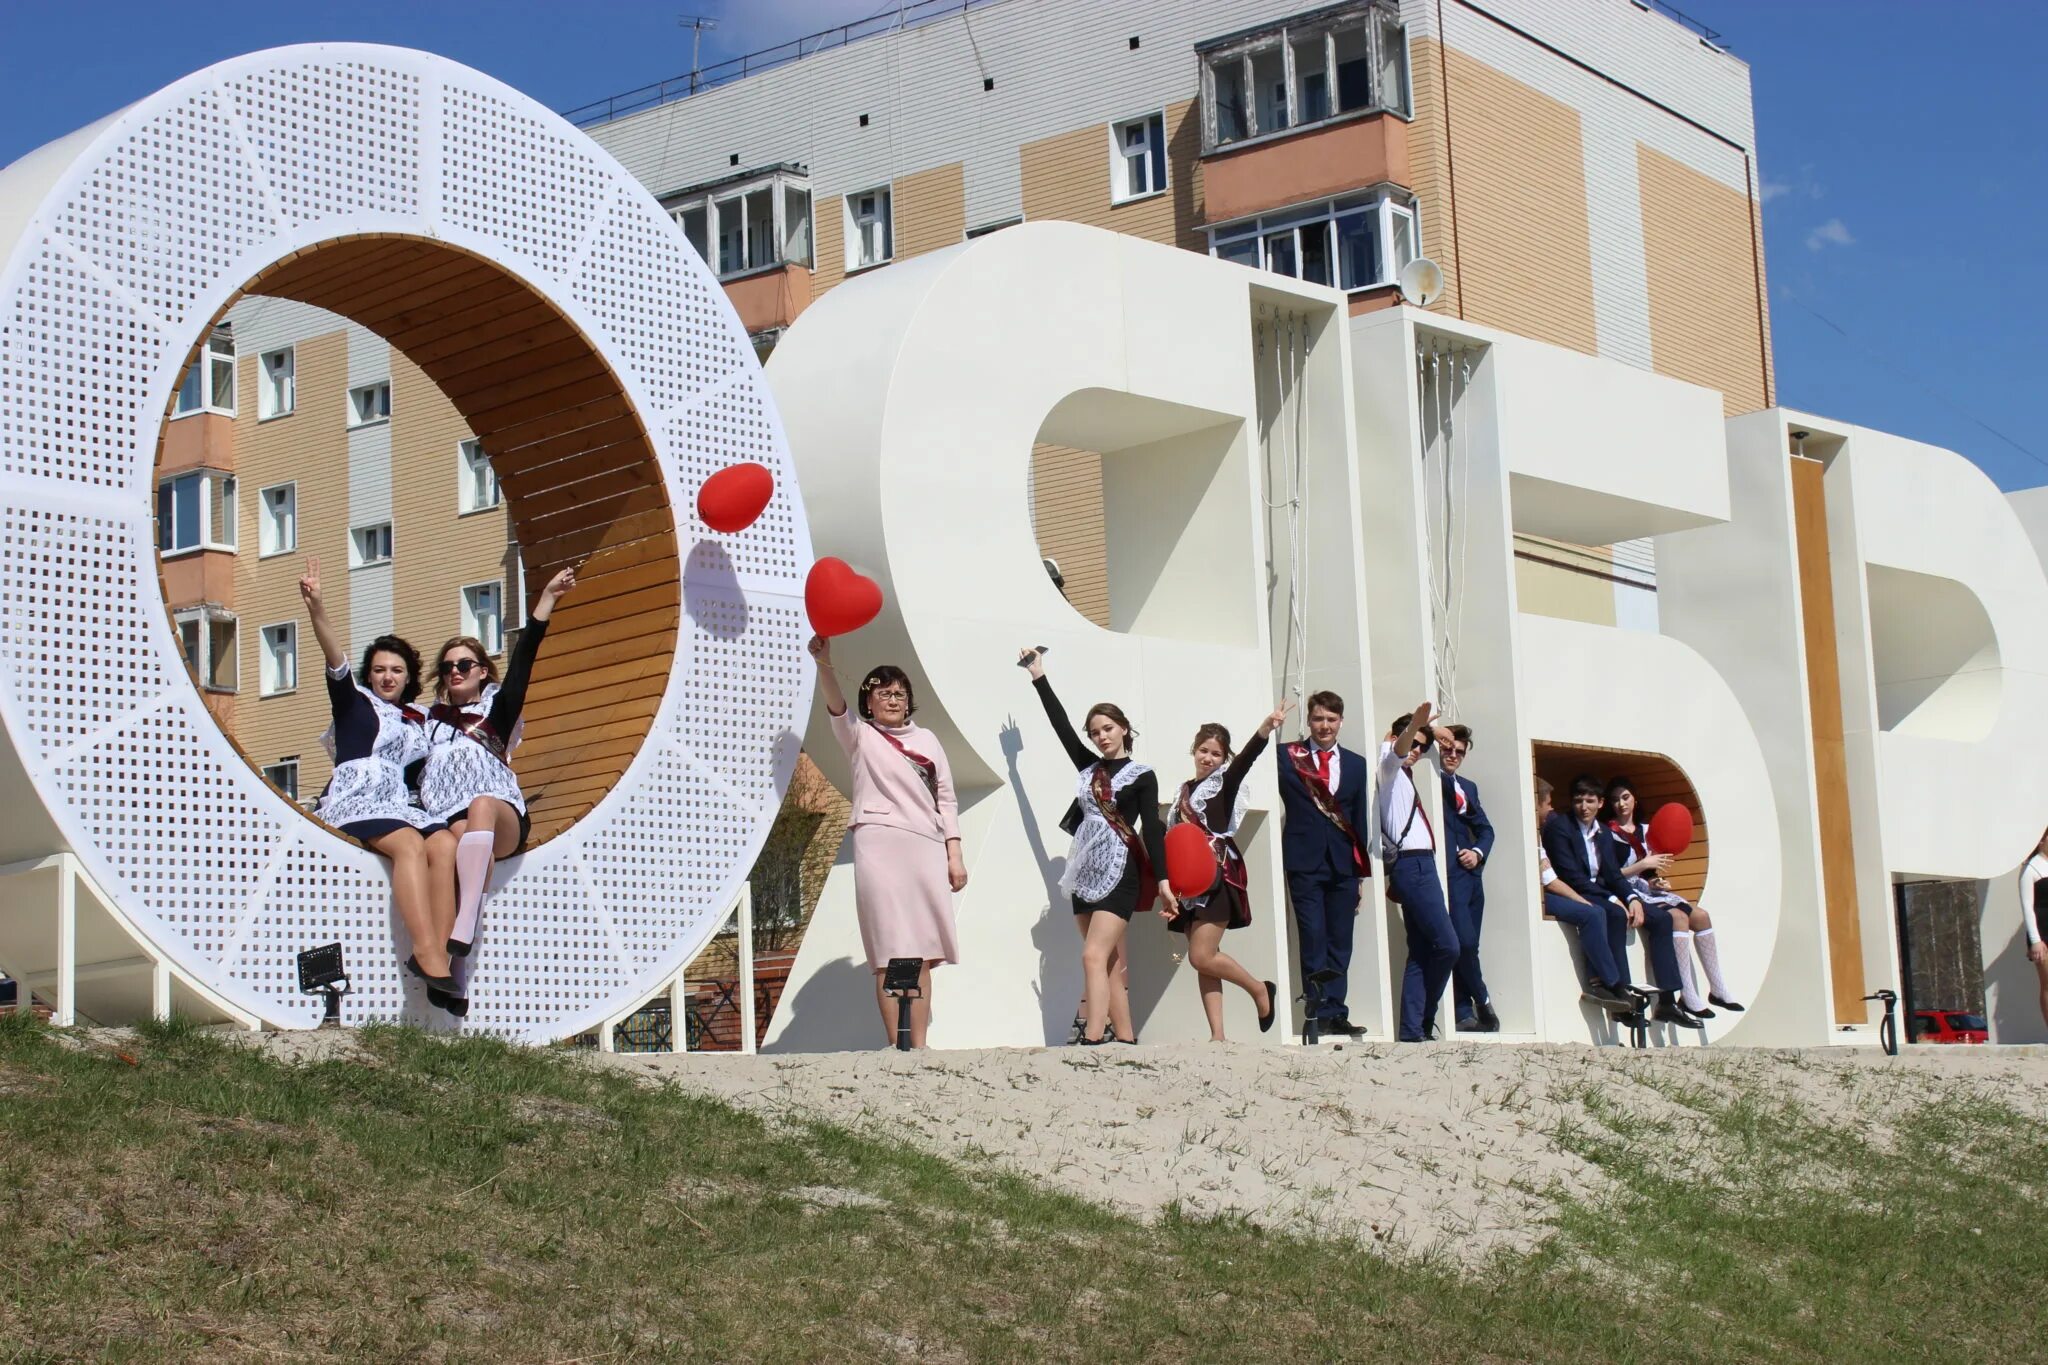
1097 848
1215 800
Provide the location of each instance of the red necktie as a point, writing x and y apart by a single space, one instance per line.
1323 765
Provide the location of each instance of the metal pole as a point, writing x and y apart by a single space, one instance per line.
747 968
67 942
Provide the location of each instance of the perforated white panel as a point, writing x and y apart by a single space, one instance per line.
130 251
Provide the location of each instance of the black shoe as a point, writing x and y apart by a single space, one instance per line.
1701 1013
1669 1011
1272 1007
1489 1022
1467 1023
1606 996
457 948
457 1005
441 983
1106 1038
1725 1004
1343 1027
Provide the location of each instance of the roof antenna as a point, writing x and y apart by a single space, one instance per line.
696 23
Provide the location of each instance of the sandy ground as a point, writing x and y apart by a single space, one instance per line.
1447 1148
1439 1148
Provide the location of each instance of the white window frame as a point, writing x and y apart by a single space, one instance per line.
356 406
472 619
1383 28
286 539
856 257
1121 157
277 386
198 387
364 543
715 201
215 488
277 674
470 463
204 619
1383 207
272 774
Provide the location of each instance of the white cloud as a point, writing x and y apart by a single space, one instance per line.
1772 189
1831 233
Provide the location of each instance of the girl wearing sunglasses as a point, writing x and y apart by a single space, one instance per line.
375 737
468 779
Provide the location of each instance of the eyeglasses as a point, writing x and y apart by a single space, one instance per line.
461 668
891 694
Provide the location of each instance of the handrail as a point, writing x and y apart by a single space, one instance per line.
767 59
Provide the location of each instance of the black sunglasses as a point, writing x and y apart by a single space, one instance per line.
459 667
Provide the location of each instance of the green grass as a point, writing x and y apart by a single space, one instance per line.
176 1197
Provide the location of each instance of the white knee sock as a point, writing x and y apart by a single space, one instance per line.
472 875
1710 958
1689 991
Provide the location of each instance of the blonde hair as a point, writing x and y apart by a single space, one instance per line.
474 646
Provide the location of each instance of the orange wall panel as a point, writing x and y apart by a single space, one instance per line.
1353 155
1699 260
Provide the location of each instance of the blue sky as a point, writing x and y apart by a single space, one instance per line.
1900 146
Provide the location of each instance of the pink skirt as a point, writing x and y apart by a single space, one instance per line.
902 897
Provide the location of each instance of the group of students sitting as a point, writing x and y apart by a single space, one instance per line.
1601 878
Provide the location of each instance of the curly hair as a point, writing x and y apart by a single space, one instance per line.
393 644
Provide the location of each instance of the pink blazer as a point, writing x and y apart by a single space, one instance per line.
887 789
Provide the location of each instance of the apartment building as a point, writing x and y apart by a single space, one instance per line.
298 435
1583 171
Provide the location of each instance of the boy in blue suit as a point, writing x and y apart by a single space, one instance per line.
1324 792
1471 844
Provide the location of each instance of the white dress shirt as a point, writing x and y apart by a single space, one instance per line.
1397 805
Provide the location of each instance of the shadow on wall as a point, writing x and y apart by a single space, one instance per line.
2012 988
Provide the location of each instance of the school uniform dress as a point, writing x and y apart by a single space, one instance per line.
471 745
373 742
1635 846
1324 860
1412 880
1466 824
903 813
1589 861
1216 805
1102 873
2034 899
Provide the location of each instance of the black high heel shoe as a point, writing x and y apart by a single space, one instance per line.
441 990
1272 1007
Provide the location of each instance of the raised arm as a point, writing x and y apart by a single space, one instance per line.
511 697
1225 802
316 607
828 681
1054 712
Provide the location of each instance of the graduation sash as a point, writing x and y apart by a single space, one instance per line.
1319 792
1102 789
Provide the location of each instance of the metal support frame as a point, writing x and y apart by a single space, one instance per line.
677 990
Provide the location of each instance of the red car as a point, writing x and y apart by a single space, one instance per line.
1949 1026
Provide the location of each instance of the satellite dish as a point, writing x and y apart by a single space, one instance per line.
1422 282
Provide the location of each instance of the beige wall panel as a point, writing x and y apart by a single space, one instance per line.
1543 588
1763 300
1429 164
1066 507
931 210
828 247
436 553
1698 255
1067 177
310 448
1526 256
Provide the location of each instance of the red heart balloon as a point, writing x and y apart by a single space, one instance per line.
1190 862
839 600
1671 829
729 500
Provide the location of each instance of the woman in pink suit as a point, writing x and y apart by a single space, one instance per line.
906 842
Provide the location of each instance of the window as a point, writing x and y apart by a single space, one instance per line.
277 519
206 635
1360 242
284 775
370 403
483 614
209 386
196 511
1354 60
870 231
748 223
279 392
477 490
1138 158
368 545
277 662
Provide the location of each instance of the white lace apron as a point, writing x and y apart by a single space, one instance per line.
1096 863
373 787
459 769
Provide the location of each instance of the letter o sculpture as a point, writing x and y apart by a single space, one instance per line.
563 312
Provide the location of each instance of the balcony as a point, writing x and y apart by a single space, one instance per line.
1336 157
753 228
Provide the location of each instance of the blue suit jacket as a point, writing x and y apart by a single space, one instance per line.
1470 830
1568 860
1311 845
